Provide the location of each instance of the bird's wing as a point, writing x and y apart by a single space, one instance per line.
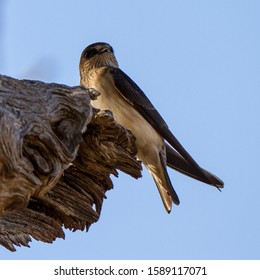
177 162
135 96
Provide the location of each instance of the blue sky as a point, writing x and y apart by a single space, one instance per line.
199 63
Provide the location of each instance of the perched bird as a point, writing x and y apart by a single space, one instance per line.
157 147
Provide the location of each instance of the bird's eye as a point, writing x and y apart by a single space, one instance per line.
90 53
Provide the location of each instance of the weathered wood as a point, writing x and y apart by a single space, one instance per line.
56 157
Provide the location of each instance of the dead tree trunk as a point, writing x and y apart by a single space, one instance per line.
56 157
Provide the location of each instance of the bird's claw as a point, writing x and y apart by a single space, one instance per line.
93 93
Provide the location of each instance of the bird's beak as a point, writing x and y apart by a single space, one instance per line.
105 50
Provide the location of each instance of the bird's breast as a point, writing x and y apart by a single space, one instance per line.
147 138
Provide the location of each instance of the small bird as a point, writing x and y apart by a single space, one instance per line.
157 147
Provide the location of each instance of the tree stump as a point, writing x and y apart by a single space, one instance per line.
56 157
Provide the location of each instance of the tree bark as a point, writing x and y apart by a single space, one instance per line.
56 157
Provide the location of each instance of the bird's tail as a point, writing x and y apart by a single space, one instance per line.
163 184
177 162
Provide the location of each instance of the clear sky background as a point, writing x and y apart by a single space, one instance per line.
199 63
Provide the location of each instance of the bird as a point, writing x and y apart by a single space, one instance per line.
157 147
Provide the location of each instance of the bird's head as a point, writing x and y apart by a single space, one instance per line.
97 55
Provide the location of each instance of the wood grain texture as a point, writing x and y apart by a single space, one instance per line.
56 157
